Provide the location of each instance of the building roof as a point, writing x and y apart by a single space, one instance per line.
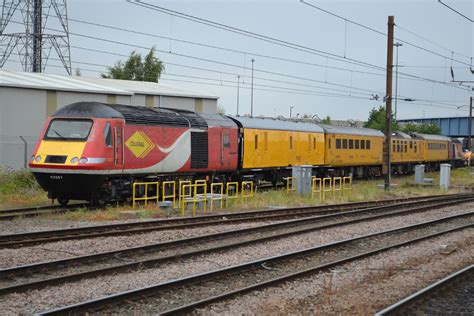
351 131
276 124
92 85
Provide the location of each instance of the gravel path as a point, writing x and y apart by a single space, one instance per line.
87 289
359 288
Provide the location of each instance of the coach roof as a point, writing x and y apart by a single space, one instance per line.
276 124
351 131
432 137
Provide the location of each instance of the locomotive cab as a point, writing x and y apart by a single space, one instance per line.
72 152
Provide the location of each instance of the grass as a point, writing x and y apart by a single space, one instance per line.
19 189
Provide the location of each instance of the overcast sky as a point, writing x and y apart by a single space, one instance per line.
279 85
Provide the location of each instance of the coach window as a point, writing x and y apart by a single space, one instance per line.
394 148
362 144
351 144
356 144
367 144
314 143
338 143
414 147
108 135
291 142
256 141
406 148
411 145
344 144
329 143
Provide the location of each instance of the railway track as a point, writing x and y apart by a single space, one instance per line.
31 238
184 294
39 275
10 214
452 295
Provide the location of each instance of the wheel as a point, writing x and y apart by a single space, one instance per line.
99 200
63 201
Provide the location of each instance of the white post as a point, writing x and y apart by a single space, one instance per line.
445 176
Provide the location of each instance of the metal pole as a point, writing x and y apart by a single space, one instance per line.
469 126
251 96
397 44
37 36
386 168
238 92
25 152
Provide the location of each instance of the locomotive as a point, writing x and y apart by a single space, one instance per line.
95 151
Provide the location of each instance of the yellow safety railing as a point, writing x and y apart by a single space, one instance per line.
182 193
347 183
231 187
220 191
145 197
316 186
195 198
327 184
335 181
170 186
244 192
289 184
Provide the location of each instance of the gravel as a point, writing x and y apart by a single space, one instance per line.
72 248
362 287
87 289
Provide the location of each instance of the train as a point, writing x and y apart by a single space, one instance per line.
94 151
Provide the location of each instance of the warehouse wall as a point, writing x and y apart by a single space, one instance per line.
22 113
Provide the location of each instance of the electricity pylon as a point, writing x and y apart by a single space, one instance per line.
30 29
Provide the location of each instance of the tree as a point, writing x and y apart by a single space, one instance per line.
136 68
377 120
220 110
326 120
421 128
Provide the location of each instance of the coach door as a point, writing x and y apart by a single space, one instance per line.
225 148
118 145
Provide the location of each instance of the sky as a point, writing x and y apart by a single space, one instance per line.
337 74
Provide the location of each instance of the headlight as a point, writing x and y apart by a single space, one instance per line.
74 160
38 158
83 160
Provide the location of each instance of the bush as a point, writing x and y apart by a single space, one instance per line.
14 181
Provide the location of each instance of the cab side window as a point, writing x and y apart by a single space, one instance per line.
108 135
367 144
338 143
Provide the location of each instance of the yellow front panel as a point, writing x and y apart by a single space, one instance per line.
353 157
60 148
281 148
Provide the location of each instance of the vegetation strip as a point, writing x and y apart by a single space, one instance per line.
422 301
20 278
24 239
39 210
214 285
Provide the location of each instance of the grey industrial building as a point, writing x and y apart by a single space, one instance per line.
27 99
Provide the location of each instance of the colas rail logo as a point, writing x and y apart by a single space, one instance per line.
140 144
